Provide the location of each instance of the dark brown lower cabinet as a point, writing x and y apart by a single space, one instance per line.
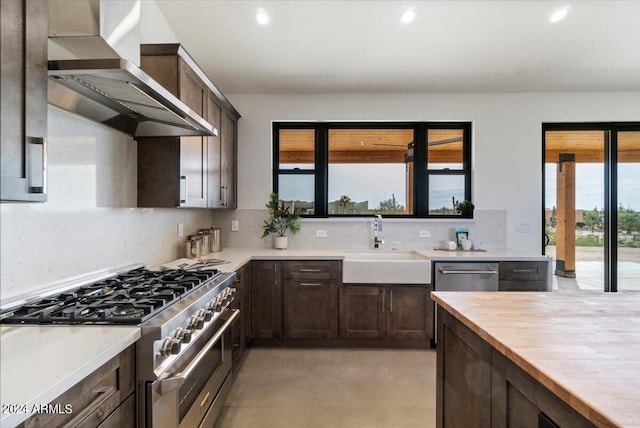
362 312
244 283
266 299
519 400
463 383
310 308
105 398
410 313
391 312
478 386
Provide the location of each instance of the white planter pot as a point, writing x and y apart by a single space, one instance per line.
280 242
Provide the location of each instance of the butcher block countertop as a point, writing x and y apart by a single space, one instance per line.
584 347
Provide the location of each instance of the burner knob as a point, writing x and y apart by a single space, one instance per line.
204 314
183 335
232 291
196 323
212 305
170 346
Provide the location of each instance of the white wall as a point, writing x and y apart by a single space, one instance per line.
89 221
507 138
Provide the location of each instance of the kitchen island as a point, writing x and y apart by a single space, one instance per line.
572 357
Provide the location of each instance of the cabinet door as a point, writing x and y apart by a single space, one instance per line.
214 171
159 172
193 172
193 91
518 400
23 105
463 383
362 312
310 308
244 283
228 160
266 300
410 313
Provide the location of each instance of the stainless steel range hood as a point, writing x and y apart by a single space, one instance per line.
94 57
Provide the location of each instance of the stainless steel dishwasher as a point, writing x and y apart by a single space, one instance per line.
462 276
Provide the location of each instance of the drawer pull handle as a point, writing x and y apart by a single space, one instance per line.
104 394
467 272
310 270
523 270
205 399
184 179
310 284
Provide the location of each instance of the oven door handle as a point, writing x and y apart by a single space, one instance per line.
167 385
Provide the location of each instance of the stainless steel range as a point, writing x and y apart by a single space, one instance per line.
184 353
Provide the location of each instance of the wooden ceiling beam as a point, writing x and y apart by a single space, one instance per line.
594 156
370 156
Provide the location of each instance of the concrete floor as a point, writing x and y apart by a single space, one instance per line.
590 277
280 388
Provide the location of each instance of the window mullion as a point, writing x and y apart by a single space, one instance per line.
421 178
322 170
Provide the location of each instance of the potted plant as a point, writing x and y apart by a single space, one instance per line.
280 220
465 208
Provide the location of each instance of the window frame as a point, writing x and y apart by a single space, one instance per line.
421 172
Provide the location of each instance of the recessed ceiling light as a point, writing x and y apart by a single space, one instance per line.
559 14
408 15
262 16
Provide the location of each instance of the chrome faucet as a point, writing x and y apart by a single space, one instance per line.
377 227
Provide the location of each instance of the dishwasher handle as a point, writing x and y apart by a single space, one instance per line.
468 272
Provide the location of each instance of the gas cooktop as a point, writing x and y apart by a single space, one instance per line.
127 298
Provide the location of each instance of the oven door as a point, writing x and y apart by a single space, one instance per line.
193 396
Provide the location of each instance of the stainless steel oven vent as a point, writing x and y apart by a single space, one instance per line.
94 57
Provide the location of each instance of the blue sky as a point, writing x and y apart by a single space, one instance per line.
590 185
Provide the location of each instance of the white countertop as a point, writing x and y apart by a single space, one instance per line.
235 257
38 363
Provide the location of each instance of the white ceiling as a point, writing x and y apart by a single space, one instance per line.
452 46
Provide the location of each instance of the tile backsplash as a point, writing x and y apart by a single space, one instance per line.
488 225
90 221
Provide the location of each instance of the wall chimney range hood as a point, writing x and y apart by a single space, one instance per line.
94 57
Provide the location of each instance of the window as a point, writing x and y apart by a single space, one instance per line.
349 169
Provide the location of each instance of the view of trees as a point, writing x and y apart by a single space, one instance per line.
593 221
390 206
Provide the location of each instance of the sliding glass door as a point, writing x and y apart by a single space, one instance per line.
591 205
574 207
628 211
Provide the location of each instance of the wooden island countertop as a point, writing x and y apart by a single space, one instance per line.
584 347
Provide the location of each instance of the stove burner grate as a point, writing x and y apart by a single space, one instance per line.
130 298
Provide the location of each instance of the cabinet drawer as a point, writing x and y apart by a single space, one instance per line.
510 285
315 269
95 397
528 271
